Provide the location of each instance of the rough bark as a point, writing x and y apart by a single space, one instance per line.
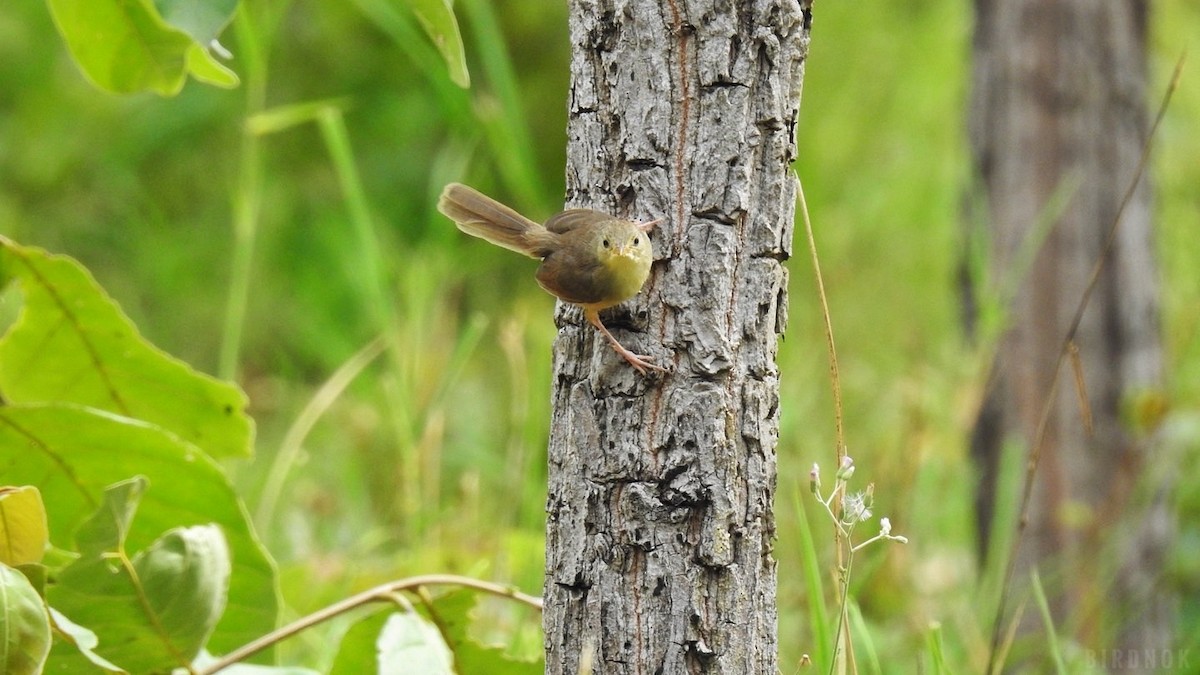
1059 104
660 524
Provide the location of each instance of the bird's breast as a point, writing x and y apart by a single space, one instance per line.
590 282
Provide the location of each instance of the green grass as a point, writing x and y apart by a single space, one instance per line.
280 255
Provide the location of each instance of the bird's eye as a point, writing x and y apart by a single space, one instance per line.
637 241
604 243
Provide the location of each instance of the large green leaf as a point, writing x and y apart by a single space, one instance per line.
23 532
153 611
24 626
72 343
126 46
73 453
357 652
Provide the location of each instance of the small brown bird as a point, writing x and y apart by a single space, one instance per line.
589 258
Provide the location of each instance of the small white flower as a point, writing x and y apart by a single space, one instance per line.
846 470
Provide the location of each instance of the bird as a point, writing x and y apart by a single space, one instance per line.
590 259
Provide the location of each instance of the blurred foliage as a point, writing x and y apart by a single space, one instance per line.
127 47
421 467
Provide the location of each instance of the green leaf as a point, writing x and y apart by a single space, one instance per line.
74 651
122 46
24 625
36 574
72 343
391 642
410 644
357 650
203 20
437 18
126 46
452 612
72 453
1043 605
933 647
185 579
23 530
207 69
107 528
820 618
153 611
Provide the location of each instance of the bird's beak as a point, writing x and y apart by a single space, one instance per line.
649 224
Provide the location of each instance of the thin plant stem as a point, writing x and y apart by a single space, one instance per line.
840 543
383 593
247 200
1043 605
293 440
372 266
834 379
843 628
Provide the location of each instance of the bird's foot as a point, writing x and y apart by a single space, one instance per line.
640 362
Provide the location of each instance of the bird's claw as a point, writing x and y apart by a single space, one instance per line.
640 362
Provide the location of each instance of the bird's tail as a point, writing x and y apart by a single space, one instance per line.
481 216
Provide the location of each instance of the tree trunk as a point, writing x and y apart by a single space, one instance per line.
1058 108
659 514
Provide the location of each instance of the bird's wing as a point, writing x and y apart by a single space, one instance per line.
573 277
572 219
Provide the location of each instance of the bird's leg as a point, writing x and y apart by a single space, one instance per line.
638 361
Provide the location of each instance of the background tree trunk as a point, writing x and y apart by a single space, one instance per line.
1059 106
660 524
